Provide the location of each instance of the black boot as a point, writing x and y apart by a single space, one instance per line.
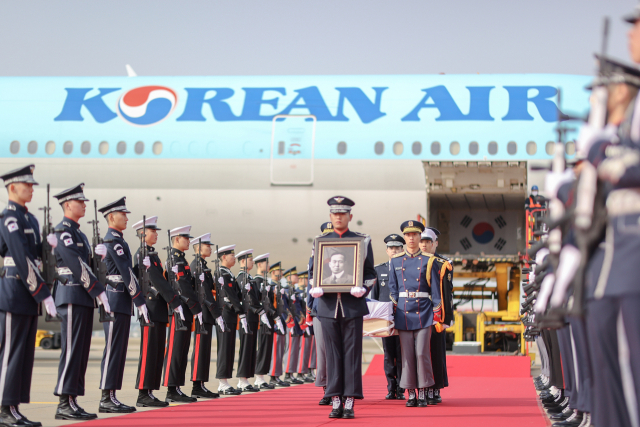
110 404
26 420
391 395
89 415
337 410
174 394
412 402
436 395
67 410
348 408
10 416
431 397
400 394
199 390
573 421
147 399
325 401
422 398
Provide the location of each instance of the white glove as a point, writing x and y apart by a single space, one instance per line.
50 306
101 250
268 288
247 287
358 292
316 292
279 324
179 310
283 291
308 331
105 302
146 262
293 297
243 323
201 277
145 313
220 323
265 320
221 280
52 240
175 269
199 316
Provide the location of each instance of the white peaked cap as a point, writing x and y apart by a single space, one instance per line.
229 248
181 231
151 222
244 253
205 238
262 257
428 234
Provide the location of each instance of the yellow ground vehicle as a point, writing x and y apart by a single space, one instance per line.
47 339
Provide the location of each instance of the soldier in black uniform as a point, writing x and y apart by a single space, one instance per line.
341 316
123 291
177 352
265 333
153 340
279 333
232 309
307 344
295 331
211 314
21 290
391 345
75 302
251 300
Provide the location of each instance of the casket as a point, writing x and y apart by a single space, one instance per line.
380 320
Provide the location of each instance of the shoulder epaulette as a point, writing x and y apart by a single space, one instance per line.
442 260
399 255
361 234
379 265
426 253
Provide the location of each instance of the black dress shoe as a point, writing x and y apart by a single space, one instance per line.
110 404
308 379
267 386
336 413
391 395
230 391
278 382
566 413
9 416
293 380
67 410
325 401
146 399
199 390
412 403
250 388
559 408
348 413
573 421
400 394
174 394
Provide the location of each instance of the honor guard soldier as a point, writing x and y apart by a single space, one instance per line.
307 346
295 331
279 335
341 317
265 332
22 288
429 244
177 352
159 295
255 313
232 310
414 285
391 345
75 300
123 291
211 315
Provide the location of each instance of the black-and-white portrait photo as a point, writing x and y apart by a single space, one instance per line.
338 268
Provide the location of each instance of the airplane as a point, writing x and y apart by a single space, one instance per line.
253 160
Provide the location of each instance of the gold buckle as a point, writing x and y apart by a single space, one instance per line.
412 294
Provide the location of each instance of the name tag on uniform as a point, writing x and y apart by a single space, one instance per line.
383 275
80 244
398 268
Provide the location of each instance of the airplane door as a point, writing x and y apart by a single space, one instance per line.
292 148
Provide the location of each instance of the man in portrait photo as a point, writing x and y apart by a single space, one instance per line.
336 273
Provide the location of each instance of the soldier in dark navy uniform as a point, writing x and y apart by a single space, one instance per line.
391 345
75 301
252 303
232 310
279 333
341 316
22 289
307 344
177 352
123 291
211 315
414 284
293 326
265 333
152 343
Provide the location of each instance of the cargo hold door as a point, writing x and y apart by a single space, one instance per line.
292 149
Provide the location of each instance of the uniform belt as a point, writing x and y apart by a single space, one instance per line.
116 278
415 295
623 202
9 262
63 270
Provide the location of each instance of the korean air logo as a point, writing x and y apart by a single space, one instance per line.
483 232
147 105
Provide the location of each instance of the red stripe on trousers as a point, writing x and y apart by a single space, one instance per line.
301 355
195 360
145 342
169 352
289 353
275 352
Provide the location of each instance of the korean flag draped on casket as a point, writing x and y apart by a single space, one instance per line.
487 232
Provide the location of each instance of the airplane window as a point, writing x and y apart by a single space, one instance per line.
103 147
512 147
15 147
32 147
50 148
342 147
473 148
454 148
67 147
121 148
416 148
85 148
379 148
157 148
532 148
281 148
493 148
549 148
570 148
398 148
435 148
139 147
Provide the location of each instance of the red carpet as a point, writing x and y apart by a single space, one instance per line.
491 391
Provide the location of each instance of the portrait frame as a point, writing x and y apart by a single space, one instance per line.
352 251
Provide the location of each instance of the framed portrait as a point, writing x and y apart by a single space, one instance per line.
338 263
